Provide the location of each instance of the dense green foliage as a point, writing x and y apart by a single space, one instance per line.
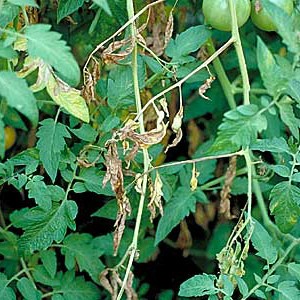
149 135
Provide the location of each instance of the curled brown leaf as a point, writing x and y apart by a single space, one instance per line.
156 194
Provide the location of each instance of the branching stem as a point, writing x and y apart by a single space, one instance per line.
134 243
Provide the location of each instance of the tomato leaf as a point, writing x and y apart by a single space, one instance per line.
285 205
66 7
78 249
48 46
42 228
199 285
18 95
263 243
50 144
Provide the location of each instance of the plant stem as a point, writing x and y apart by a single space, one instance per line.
249 168
273 269
181 81
221 75
133 246
239 52
25 268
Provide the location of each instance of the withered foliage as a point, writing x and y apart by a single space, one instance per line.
114 174
111 281
142 140
91 78
156 194
205 213
194 178
205 86
224 208
185 240
176 128
160 29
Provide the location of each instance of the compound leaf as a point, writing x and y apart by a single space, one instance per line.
198 285
49 47
17 94
78 248
262 242
51 143
42 228
285 205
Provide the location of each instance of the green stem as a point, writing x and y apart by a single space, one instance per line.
237 90
25 268
221 75
134 243
239 52
249 171
272 270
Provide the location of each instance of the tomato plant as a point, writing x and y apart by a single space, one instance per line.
157 157
262 19
217 13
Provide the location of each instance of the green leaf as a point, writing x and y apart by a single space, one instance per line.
76 288
281 170
68 98
43 228
27 289
78 249
294 270
2 139
104 5
92 181
110 123
6 292
285 25
242 285
182 203
262 242
276 145
50 144
49 47
43 194
66 7
199 285
7 13
239 128
86 133
285 205
273 279
23 3
269 70
49 261
289 290
288 117
188 41
18 95
260 294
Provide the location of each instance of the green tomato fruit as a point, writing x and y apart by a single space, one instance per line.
262 19
217 13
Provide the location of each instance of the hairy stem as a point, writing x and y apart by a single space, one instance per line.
239 52
221 75
273 269
181 81
133 246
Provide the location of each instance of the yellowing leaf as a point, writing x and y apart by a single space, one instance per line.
68 98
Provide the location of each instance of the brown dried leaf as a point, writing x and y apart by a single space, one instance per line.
123 212
224 208
205 213
205 86
184 240
175 141
195 137
156 194
169 29
108 55
130 292
105 282
91 79
194 180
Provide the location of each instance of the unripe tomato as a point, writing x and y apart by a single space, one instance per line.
262 19
10 136
217 13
